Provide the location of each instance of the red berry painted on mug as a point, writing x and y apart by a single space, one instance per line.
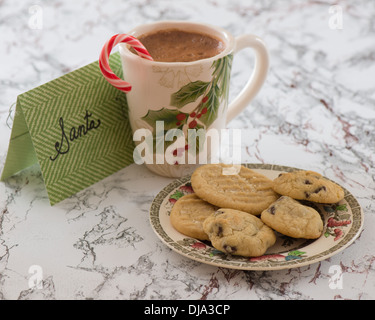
192 124
178 123
181 116
193 114
204 110
205 99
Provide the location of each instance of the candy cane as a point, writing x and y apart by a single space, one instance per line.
104 59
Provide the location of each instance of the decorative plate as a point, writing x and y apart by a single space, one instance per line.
342 225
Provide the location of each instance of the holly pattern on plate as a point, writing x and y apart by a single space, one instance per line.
337 220
180 192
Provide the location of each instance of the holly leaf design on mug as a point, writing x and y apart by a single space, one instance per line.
189 93
208 97
207 110
222 74
208 94
172 118
210 107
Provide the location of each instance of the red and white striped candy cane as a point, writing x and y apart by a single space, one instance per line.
104 59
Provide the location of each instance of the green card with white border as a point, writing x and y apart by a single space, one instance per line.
76 127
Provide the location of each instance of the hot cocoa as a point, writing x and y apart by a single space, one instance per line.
173 45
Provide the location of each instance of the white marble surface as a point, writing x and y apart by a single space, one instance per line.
316 111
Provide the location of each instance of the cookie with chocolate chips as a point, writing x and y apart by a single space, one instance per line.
308 185
238 233
293 219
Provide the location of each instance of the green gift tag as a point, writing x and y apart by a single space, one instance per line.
76 127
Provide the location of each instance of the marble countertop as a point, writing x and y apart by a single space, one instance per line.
316 111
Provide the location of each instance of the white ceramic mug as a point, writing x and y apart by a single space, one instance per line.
185 95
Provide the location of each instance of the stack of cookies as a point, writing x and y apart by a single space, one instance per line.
239 211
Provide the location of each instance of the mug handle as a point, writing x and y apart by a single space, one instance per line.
257 77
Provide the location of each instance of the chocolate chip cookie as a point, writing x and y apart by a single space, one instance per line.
238 233
308 185
293 219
